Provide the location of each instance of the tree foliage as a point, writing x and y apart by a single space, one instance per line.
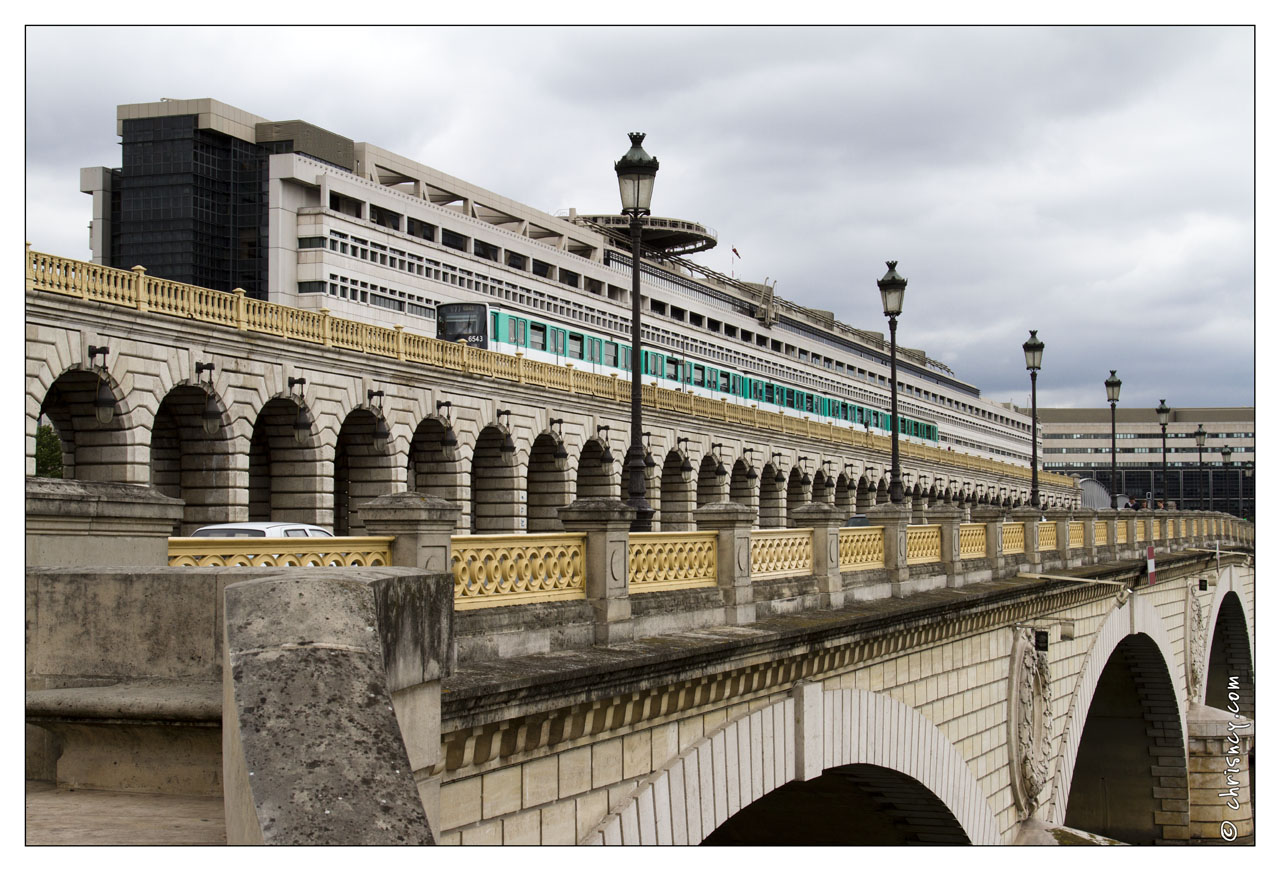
48 452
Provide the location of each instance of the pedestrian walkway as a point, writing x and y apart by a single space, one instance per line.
56 815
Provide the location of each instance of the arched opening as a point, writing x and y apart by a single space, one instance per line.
284 475
675 513
823 487
90 449
882 491
190 464
741 487
360 471
865 497
1131 756
846 806
710 485
797 494
844 496
918 504
494 508
596 479
1230 667
548 483
773 500
433 466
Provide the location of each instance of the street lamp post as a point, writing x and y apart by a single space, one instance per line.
1113 396
1162 414
1200 437
892 289
1033 349
636 172
1226 467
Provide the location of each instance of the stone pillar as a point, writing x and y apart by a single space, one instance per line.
423 526
826 550
1030 519
98 523
733 556
894 519
607 523
1089 517
1218 764
993 517
1130 520
949 519
1149 539
918 507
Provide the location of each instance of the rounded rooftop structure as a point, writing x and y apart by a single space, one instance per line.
669 235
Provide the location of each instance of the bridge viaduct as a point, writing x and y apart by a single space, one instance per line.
231 443
987 676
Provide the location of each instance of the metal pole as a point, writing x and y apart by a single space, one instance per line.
896 494
635 453
1164 469
1115 495
1035 471
1200 450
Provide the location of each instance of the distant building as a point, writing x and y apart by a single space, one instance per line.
1077 441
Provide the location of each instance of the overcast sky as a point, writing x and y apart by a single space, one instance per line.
1095 184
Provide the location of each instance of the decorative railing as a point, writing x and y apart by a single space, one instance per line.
780 553
1075 534
491 570
373 550
1099 534
136 289
1048 536
1140 532
1013 538
1157 530
924 544
861 548
1182 528
671 561
1122 532
973 540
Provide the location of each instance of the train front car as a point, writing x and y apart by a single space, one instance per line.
463 321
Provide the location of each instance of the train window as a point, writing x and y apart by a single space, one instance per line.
724 381
519 328
611 354
699 376
808 402
593 350
626 357
673 369
575 346
497 327
538 337
736 385
558 340
768 392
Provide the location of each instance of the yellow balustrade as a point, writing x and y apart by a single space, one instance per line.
1140 531
491 570
1182 528
861 547
671 560
1157 530
778 553
370 550
1048 536
91 281
1075 534
1013 538
924 544
973 540
1122 532
1099 533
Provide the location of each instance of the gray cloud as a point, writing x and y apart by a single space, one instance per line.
1093 183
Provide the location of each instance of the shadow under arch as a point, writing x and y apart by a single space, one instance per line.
1228 655
700 789
1131 646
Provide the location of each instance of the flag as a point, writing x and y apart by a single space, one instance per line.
735 252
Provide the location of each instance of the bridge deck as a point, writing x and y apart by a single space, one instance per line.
59 816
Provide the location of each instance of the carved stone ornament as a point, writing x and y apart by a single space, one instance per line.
1030 721
1197 632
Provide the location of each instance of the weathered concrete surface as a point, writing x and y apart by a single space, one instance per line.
60 816
1038 833
312 750
92 523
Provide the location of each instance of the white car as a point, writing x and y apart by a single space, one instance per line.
260 529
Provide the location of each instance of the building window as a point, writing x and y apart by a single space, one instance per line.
312 287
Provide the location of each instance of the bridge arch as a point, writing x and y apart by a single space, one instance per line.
194 457
90 448
797 494
844 496
754 755
595 478
711 487
676 498
494 471
773 499
362 469
1131 671
1228 648
433 465
548 482
742 484
285 466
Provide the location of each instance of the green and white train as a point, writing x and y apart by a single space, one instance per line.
489 326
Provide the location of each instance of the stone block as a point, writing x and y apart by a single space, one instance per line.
559 824
483 834
589 810
637 749
575 771
606 762
540 781
523 829
460 803
501 791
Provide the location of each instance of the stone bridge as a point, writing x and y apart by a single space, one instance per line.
303 416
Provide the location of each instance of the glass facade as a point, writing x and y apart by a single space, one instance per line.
192 205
